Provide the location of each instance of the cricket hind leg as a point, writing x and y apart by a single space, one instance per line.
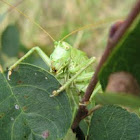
40 53
62 88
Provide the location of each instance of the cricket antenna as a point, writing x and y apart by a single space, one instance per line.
27 17
95 25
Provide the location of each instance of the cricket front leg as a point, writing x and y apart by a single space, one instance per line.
40 53
62 88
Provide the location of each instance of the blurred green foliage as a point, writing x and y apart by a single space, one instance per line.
10 41
62 17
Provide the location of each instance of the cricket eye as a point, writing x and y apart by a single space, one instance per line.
66 47
54 70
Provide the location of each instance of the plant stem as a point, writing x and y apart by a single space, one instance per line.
112 42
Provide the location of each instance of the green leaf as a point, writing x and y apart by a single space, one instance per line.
26 109
125 56
10 41
114 123
119 99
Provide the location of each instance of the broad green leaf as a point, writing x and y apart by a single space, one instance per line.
125 56
114 123
119 99
10 41
26 109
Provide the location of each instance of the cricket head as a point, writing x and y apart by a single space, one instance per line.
60 56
